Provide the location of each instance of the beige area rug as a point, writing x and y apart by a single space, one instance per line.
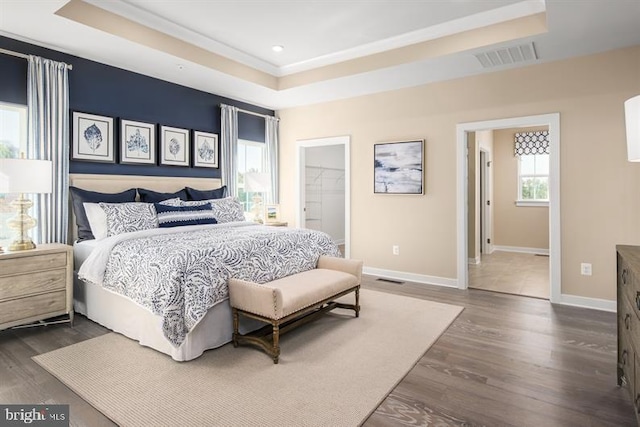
334 371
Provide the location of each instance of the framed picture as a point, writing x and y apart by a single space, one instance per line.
399 167
271 213
205 149
174 146
92 138
137 142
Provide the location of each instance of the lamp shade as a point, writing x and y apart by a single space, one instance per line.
257 182
25 176
632 119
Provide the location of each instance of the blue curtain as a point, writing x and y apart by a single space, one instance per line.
271 141
229 147
48 139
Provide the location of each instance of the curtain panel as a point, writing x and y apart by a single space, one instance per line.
271 141
48 139
229 147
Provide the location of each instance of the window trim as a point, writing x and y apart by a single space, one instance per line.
530 202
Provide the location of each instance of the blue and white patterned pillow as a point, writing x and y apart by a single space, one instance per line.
228 209
175 216
129 217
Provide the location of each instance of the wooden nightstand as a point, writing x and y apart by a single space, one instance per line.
36 284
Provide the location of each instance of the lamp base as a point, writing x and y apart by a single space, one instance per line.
22 245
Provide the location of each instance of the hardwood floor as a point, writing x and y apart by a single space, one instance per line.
506 361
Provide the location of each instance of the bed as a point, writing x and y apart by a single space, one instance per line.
189 311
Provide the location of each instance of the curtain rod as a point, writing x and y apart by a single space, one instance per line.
253 113
22 55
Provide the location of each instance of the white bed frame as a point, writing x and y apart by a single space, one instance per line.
126 317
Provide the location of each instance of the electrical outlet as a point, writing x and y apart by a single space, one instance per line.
585 269
395 249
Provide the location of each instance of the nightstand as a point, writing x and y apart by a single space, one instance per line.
36 284
277 224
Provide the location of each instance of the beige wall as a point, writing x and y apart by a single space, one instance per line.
519 226
600 190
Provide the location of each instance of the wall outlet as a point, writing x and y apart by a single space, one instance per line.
585 269
395 249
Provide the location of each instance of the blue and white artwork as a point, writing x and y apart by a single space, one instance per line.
92 138
205 149
398 167
174 146
137 142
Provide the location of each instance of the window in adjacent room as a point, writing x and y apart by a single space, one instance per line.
532 151
13 141
252 157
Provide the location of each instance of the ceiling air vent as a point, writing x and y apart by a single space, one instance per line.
507 55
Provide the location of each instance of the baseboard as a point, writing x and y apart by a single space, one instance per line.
536 251
411 277
586 302
474 261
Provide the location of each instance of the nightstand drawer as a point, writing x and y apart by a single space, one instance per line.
37 305
35 283
29 264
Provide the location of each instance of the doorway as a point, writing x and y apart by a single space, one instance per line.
552 121
323 169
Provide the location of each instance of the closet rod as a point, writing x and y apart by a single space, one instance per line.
22 55
240 110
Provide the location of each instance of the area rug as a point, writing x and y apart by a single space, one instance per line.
334 371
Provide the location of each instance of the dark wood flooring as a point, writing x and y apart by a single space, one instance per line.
506 361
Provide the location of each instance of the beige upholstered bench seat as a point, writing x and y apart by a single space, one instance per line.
291 300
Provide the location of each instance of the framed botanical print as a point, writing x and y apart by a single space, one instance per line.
92 138
137 142
205 149
398 167
174 146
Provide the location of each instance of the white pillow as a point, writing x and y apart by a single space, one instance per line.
97 219
130 216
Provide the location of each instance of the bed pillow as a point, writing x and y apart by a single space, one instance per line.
80 196
228 209
97 220
129 217
150 196
218 193
175 216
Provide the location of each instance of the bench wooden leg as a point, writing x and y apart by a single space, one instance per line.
276 341
235 327
357 308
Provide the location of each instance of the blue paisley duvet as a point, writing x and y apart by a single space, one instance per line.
180 273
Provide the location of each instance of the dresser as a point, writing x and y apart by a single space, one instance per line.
629 322
36 285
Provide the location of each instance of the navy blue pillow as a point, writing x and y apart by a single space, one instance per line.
149 196
218 193
175 216
80 196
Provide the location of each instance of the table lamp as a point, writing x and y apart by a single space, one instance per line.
24 176
257 183
632 119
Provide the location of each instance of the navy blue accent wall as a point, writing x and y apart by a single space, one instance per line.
108 91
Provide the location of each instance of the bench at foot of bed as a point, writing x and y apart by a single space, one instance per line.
293 300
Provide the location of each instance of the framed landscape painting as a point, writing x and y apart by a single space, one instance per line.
137 142
205 149
399 167
174 146
92 139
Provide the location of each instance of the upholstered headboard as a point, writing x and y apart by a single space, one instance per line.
118 183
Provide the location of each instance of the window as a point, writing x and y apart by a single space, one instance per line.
533 178
13 141
251 158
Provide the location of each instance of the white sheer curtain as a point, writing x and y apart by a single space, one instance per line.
271 141
229 147
48 139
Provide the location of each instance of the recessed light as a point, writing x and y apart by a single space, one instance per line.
277 48
180 67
